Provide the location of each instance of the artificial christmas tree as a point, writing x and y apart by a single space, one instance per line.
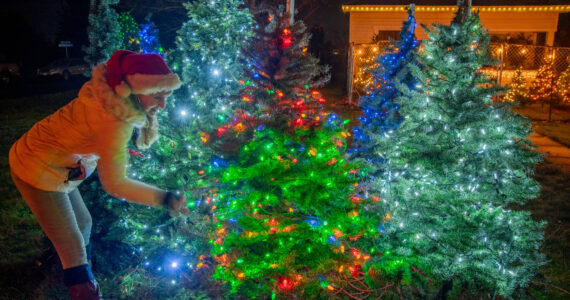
168 249
365 60
454 169
285 205
563 85
280 74
380 112
148 37
518 91
103 31
129 33
207 58
543 87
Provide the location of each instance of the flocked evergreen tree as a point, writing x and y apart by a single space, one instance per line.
454 170
103 31
380 112
563 85
518 91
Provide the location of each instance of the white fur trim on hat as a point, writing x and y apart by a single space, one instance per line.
145 84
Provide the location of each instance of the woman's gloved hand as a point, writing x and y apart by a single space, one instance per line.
175 202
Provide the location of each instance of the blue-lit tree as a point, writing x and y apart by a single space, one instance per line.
148 37
379 105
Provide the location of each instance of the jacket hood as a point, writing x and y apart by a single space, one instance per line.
98 90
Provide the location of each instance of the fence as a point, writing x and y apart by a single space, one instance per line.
361 57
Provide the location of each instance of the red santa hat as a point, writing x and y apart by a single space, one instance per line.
129 73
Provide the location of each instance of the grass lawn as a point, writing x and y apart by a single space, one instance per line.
30 268
557 129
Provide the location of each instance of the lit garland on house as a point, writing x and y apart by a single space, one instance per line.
425 8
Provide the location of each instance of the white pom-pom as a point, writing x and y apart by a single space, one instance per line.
123 90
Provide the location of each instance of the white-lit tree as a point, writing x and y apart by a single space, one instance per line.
455 168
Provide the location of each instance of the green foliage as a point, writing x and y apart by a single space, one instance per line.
168 249
129 33
563 85
454 167
288 212
149 38
518 91
543 87
207 58
280 72
103 31
142 284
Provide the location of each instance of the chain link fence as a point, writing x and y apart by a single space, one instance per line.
509 56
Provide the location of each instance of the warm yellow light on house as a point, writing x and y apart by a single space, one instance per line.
433 8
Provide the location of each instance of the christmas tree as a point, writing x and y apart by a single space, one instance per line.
543 87
454 169
148 37
169 249
563 85
103 31
518 91
378 105
285 207
207 58
279 74
129 33
365 57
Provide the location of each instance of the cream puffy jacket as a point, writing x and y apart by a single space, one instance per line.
93 131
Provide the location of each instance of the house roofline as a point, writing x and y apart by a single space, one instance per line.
453 8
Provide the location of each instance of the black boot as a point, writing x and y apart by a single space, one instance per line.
85 291
81 284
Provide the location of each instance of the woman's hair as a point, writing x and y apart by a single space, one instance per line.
144 137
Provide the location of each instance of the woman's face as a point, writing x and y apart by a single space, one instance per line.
153 102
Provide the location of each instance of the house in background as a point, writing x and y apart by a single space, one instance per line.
512 22
538 22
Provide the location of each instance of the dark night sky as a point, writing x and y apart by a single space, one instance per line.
31 29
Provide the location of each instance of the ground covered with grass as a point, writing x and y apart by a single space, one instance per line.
31 269
557 128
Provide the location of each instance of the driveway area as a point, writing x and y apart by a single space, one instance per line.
557 153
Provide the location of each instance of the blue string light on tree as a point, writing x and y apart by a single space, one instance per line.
379 105
148 36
